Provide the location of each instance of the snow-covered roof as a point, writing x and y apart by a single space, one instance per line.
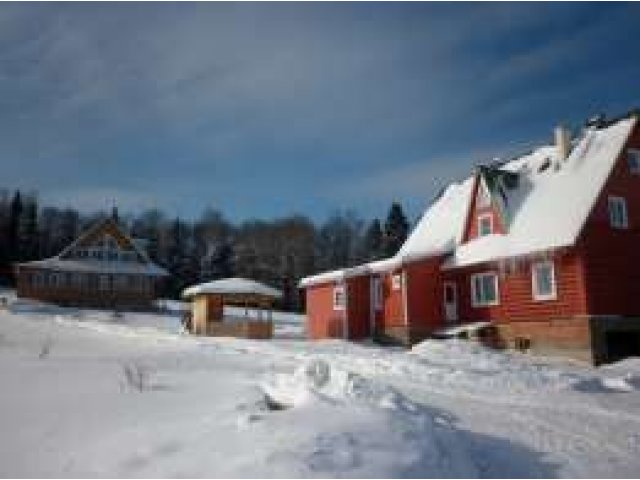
98 266
228 286
64 262
549 206
545 209
438 232
441 227
335 275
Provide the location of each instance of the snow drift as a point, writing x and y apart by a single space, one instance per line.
366 428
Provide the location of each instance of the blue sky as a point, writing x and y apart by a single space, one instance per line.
263 110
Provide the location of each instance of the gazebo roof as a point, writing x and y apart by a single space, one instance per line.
232 286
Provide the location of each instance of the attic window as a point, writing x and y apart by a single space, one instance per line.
485 225
544 165
633 158
110 242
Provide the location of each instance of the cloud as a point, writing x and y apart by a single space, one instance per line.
421 180
232 101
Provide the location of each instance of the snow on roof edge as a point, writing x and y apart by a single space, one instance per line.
99 266
233 285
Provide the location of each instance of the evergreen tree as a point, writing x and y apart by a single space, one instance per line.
4 230
28 230
179 262
15 214
373 241
218 263
338 240
149 226
396 229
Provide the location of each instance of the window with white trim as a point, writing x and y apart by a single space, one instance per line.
633 159
396 281
377 293
485 225
543 280
618 212
484 289
339 297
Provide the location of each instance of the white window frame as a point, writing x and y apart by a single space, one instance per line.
633 160
534 281
481 217
337 291
484 303
396 281
613 203
377 293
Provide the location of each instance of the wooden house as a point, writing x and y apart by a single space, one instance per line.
103 267
544 248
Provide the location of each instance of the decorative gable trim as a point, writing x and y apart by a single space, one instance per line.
494 183
99 229
471 208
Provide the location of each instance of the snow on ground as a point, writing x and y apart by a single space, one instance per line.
87 394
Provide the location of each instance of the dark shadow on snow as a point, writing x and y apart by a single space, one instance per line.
494 457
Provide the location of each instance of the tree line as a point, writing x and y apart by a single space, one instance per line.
278 252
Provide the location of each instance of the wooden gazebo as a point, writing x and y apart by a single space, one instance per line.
207 308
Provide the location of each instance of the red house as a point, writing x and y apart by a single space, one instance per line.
544 249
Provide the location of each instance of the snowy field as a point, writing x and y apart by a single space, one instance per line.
87 394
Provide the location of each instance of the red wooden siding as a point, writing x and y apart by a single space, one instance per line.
424 297
612 256
358 304
322 320
325 322
515 291
472 227
393 310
